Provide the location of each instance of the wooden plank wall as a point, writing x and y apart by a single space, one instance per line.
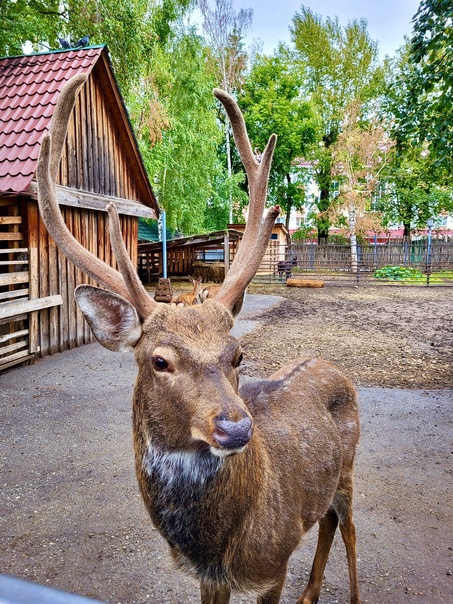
63 327
93 157
14 283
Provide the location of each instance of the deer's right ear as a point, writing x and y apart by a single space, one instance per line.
113 319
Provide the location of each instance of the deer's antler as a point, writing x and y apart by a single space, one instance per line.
126 284
257 232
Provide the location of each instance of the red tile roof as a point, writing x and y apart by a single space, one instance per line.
29 88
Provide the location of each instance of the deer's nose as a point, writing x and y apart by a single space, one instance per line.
232 435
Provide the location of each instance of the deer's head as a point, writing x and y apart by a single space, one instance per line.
187 386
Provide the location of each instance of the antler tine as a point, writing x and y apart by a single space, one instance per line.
48 161
257 232
235 284
257 174
142 300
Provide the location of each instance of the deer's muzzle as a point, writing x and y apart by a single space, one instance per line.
232 435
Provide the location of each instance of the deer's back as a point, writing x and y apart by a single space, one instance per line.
307 417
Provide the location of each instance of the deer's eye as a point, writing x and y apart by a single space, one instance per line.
159 364
238 360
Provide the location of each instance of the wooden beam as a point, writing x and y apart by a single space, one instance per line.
13 335
12 262
11 236
8 349
12 278
66 196
10 219
16 307
14 250
14 293
13 359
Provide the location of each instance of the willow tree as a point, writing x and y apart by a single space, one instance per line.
340 64
180 151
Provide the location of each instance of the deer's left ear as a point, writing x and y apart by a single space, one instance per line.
113 319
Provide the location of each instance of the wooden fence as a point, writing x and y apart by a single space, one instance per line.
332 262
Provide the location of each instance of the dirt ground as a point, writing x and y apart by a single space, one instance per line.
390 336
70 512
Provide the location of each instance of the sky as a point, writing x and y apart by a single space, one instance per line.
388 20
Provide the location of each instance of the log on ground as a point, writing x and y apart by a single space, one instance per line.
304 283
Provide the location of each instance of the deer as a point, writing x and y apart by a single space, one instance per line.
210 291
231 476
189 299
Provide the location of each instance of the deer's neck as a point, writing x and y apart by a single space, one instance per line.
183 488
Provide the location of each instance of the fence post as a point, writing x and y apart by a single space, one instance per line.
428 251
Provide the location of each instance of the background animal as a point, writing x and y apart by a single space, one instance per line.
232 478
189 299
210 291
285 267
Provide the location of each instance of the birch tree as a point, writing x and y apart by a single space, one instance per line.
224 30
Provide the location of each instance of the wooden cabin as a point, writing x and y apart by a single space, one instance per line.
101 163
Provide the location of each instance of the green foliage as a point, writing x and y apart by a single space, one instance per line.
427 112
340 65
413 194
397 273
131 28
303 233
33 21
184 165
271 104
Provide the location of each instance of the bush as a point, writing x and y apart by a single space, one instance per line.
398 273
303 233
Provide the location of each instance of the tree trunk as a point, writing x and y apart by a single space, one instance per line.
407 231
323 222
353 241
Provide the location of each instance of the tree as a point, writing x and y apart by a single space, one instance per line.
30 21
418 179
427 113
271 103
360 156
224 30
183 164
412 193
340 65
131 28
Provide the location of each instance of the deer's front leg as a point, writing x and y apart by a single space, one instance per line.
214 595
272 596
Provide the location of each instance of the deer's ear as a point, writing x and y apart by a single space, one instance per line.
114 320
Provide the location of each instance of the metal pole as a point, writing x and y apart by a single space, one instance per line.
164 243
226 252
